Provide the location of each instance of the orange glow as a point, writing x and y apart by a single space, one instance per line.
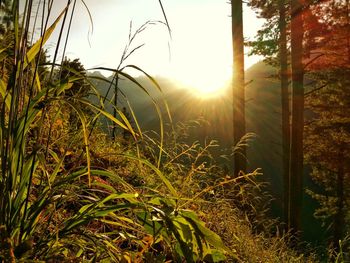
204 83
205 87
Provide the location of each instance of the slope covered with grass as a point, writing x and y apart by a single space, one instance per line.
73 191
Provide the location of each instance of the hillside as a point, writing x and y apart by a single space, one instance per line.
263 117
263 108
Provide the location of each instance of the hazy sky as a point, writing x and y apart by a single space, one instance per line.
200 43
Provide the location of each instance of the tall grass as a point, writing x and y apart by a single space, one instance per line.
59 201
76 193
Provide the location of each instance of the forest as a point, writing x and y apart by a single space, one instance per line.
104 165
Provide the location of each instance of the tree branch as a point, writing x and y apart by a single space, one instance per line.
312 60
314 90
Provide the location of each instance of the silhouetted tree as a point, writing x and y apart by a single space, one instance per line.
74 69
272 44
283 59
238 93
296 159
327 151
328 129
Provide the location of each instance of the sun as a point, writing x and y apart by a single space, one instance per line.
199 68
204 83
207 86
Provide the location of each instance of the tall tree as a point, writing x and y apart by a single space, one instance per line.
327 140
74 68
238 93
271 42
327 152
283 59
296 159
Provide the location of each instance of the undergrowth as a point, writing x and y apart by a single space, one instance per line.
72 192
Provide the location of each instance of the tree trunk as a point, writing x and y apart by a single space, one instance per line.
339 217
296 160
238 83
348 31
285 106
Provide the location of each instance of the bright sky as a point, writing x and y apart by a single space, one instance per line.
200 44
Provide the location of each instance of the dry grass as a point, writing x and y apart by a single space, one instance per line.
247 245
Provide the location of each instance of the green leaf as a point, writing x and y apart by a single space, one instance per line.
211 237
41 41
184 230
215 256
4 94
157 171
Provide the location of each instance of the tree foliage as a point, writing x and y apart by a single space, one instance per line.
328 128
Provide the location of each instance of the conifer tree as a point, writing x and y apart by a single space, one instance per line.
297 127
238 93
327 140
272 43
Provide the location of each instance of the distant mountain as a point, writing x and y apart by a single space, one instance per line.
262 107
183 105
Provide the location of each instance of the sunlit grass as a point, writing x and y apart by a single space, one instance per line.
72 192
61 200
